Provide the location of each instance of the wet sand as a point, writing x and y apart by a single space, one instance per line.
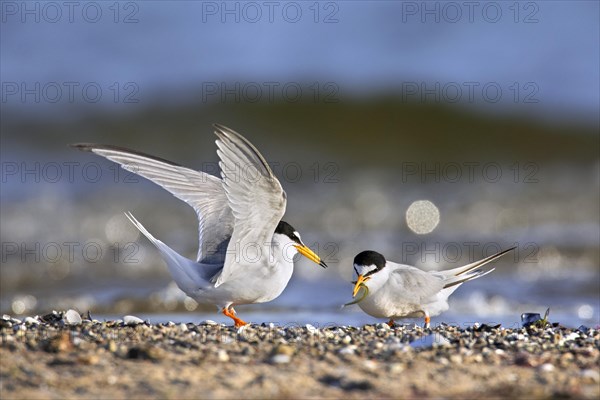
66 357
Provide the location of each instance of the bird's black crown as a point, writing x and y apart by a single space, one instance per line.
370 257
286 229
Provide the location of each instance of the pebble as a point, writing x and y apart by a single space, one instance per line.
208 322
348 350
396 368
590 375
383 326
311 329
222 355
547 367
370 365
435 339
284 349
132 320
280 359
31 321
72 317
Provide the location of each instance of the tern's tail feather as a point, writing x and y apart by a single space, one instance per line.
460 271
183 270
453 278
455 281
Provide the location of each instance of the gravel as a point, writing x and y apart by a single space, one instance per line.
50 356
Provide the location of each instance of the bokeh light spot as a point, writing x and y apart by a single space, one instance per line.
422 217
585 311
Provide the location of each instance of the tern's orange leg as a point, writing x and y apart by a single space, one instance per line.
427 321
231 314
391 323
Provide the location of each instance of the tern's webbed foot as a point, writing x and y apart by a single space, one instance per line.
231 314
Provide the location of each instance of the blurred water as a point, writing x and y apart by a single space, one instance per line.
170 49
554 266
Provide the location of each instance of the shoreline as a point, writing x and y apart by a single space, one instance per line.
65 356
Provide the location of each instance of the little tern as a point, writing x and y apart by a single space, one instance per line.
394 291
245 249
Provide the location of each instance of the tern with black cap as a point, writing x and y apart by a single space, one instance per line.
395 291
245 249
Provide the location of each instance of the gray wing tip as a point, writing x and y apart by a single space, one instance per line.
503 252
222 131
84 146
91 147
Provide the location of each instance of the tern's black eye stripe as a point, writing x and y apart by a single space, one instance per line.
371 272
355 270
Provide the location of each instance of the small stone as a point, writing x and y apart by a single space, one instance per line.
88 359
433 340
280 359
31 321
370 365
284 349
443 361
145 353
383 326
222 356
112 346
528 319
51 318
545 368
524 360
311 329
183 327
590 376
572 336
208 322
72 317
226 339
132 320
456 359
346 339
396 368
348 350
59 343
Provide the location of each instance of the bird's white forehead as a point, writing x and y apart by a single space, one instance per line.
297 234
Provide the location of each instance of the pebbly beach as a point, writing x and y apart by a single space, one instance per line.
66 355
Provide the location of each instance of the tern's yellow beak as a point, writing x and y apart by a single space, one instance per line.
359 282
308 253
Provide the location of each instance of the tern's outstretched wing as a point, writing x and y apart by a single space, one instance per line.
205 193
255 197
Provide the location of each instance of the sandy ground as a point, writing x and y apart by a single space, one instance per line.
91 359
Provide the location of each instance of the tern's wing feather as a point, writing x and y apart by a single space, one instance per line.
412 285
255 196
205 193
